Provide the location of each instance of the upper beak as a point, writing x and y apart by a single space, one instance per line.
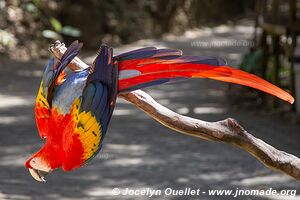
38 175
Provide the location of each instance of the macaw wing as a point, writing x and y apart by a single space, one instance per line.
91 113
53 76
88 114
42 108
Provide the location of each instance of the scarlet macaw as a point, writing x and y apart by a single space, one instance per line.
73 109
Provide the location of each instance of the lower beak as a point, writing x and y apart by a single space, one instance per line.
38 175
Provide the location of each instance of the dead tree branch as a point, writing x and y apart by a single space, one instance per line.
228 131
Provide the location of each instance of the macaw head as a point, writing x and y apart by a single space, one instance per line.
60 151
44 161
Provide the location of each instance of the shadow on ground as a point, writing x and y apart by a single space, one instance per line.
138 152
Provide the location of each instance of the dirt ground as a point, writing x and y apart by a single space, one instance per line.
139 152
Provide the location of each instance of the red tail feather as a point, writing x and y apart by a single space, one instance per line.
140 73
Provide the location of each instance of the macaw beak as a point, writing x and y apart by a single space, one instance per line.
38 175
38 168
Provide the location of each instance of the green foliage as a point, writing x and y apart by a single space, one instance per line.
50 34
283 70
30 7
252 62
71 31
55 24
59 30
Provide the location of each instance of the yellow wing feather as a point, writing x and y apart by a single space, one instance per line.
41 101
88 129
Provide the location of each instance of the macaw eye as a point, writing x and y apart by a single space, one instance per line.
39 164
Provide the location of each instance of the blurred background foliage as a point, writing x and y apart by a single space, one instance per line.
27 26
